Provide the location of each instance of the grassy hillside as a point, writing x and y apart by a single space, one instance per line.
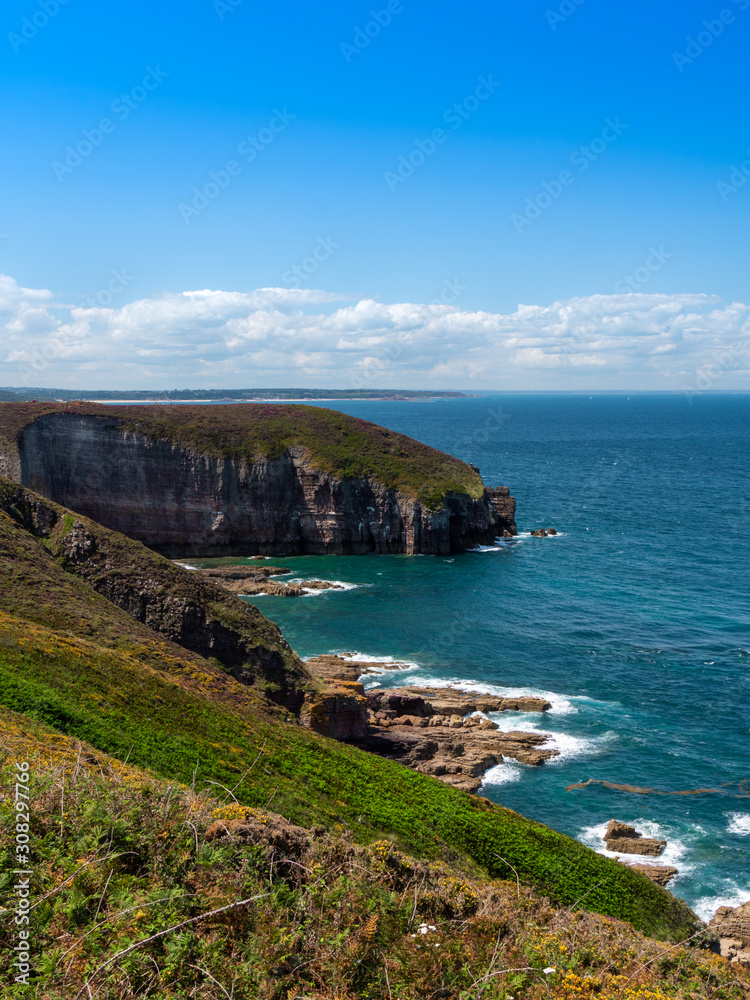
74 662
125 861
185 607
336 442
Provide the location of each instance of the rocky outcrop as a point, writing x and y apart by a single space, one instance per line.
334 667
338 711
446 701
624 839
457 754
661 874
505 507
183 501
732 926
422 728
246 582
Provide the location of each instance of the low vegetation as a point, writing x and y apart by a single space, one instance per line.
151 888
139 745
335 442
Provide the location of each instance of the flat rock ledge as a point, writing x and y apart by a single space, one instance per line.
248 581
661 874
429 730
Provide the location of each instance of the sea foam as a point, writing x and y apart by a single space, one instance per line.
739 823
734 895
674 853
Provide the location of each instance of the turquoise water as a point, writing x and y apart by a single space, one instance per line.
634 622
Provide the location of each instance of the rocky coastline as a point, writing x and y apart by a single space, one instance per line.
443 732
249 581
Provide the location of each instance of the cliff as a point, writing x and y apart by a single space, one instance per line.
218 480
67 557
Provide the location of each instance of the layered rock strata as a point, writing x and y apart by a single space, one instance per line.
182 501
248 581
623 839
732 926
436 737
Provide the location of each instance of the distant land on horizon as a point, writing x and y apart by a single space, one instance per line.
13 394
16 394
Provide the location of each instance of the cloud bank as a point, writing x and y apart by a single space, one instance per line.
286 337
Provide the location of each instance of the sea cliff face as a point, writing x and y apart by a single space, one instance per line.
184 501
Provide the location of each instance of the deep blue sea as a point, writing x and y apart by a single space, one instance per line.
634 622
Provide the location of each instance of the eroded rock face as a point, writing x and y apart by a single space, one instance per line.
187 608
456 754
429 734
732 926
338 711
185 503
661 874
623 839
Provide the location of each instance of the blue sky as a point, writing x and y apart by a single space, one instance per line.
116 116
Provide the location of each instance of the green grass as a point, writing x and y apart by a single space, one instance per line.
121 858
122 708
335 442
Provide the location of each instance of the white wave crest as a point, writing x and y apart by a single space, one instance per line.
739 823
503 774
193 569
314 592
674 853
733 895
561 704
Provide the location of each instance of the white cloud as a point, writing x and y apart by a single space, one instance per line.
276 336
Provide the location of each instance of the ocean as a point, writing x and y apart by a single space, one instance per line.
634 621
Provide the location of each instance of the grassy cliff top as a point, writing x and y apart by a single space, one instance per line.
336 442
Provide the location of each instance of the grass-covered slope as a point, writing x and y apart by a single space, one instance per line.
188 609
127 862
335 442
73 661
